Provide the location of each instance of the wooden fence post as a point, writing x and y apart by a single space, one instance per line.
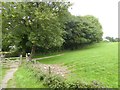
20 59
2 57
26 57
49 70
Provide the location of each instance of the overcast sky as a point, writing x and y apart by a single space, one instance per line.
105 10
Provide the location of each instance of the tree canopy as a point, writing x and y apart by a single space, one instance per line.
27 25
82 30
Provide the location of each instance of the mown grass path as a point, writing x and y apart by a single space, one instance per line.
48 57
9 75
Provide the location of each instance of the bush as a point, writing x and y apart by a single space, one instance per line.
76 85
41 76
54 81
96 84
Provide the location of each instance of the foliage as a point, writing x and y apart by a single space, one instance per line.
56 82
32 24
112 39
95 28
46 26
76 85
82 30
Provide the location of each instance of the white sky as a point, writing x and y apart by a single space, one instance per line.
105 10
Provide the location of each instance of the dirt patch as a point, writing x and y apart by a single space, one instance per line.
53 68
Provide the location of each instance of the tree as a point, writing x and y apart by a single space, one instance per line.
46 25
94 28
82 30
32 24
117 39
112 39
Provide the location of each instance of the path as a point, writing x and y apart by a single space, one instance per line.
14 67
48 57
9 75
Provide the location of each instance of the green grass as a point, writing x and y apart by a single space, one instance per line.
23 78
3 71
47 54
96 62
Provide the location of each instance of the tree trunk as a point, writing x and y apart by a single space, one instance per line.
32 51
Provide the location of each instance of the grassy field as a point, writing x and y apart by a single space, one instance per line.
97 62
24 78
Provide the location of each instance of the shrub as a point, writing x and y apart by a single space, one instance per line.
96 84
41 76
76 85
54 81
